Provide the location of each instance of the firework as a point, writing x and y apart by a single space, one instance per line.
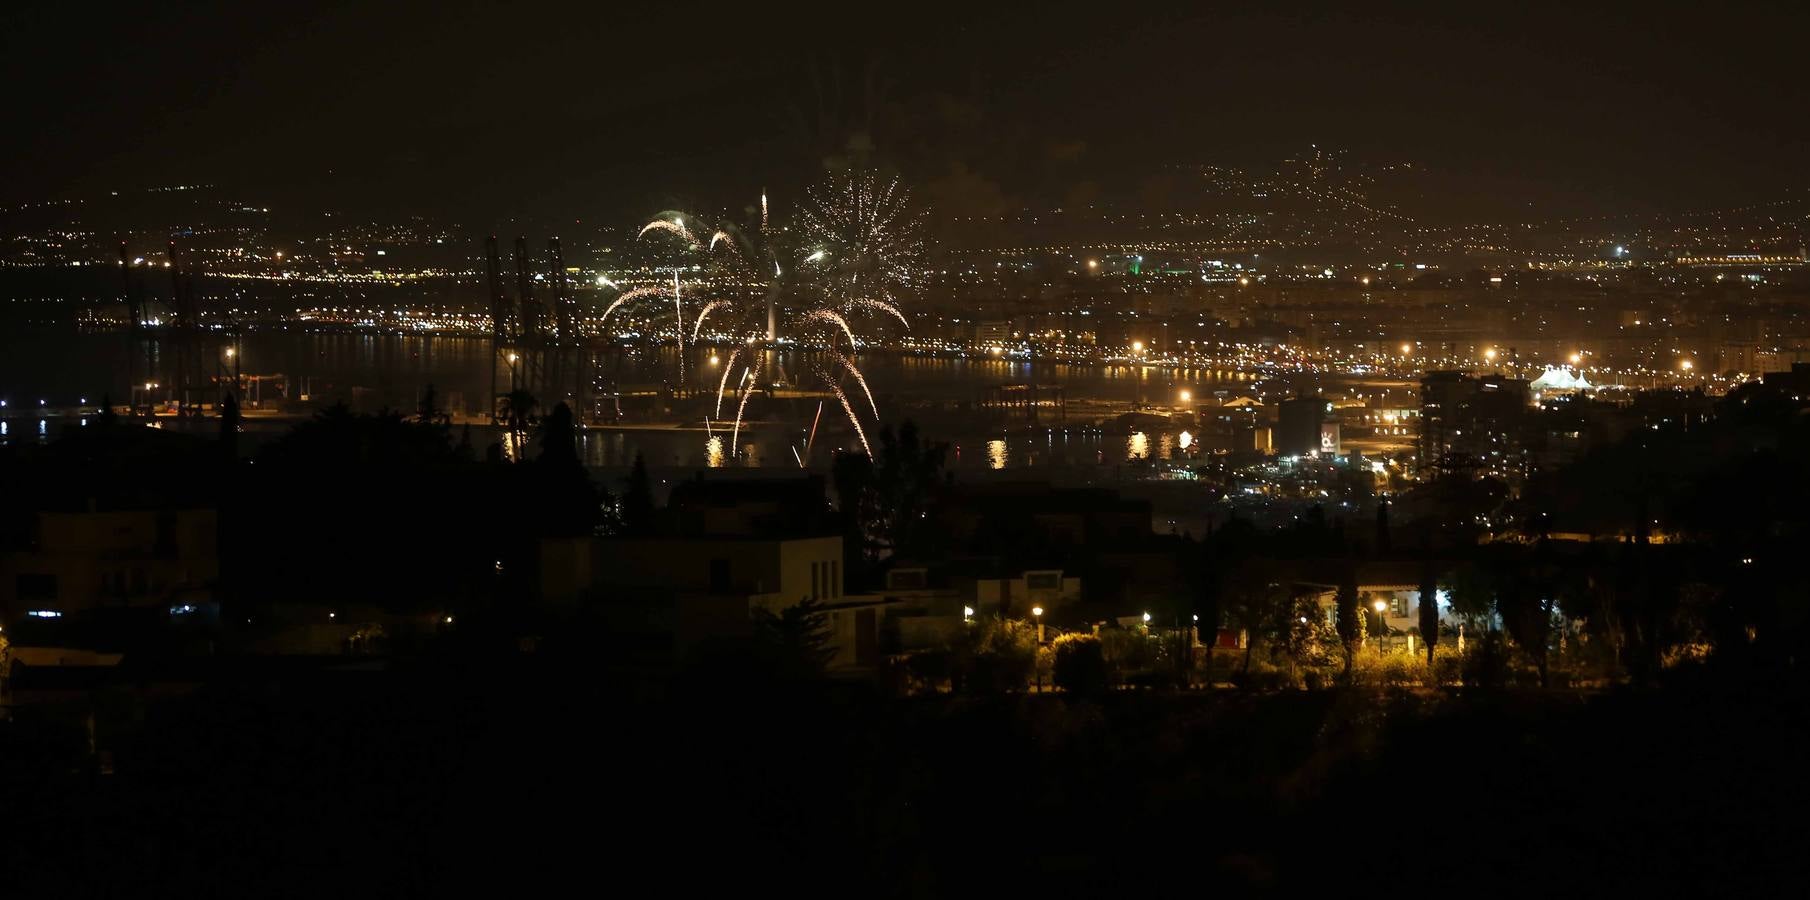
630 296
871 237
672 223
728 366
747 391
860 379
853 419
834 318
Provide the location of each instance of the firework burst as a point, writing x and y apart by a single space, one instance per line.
857 250
871 237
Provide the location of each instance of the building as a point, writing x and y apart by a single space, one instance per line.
1301 427
81 561
1473 424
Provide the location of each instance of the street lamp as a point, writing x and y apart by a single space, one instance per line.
1381 624
1137 346
1037 612
967 614
1186 395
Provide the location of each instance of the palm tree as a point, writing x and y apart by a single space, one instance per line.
518 416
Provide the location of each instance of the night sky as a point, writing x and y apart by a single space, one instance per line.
593 108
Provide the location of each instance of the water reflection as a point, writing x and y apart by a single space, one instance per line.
1137 446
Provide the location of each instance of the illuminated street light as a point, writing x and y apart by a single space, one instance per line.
1490 354
714 360
513 358
1577 358
1186 395
1137 346
967 613
1687 365
230 353
1146 618
1407 348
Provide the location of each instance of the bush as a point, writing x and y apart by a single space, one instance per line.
1079 666
1486 662
995 656
1131 655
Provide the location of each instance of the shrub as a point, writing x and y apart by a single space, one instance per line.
996 656
1079 666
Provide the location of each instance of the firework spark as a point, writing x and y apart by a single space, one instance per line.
860 379
629 296
884 307
870 234
834 318
741 408
728 366
671 223
709 307
853 419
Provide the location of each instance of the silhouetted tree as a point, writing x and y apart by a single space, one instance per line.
796 640
559 439
638 501
229 426
518 416
1351 625
1429 609
427 411
1206 607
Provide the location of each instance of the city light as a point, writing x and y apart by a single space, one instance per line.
1576 358
1186 395
1036 610
1137 346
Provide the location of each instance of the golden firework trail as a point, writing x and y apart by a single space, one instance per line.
728 366
670 224
850 410
628 296
747 388
834 318
859 379
703 314
884 307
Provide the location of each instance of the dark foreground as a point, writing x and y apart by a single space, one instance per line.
442 778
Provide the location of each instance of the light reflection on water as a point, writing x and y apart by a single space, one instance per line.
1137 446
